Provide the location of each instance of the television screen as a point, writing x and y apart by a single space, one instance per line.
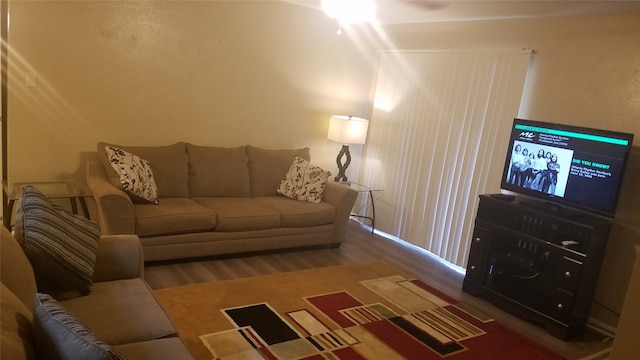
570 165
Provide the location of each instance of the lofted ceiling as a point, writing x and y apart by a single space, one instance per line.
424 11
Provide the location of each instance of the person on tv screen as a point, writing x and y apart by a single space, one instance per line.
517 163
527 173
539 166
544 182
553 168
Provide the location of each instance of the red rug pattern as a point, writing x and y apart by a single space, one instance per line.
412 321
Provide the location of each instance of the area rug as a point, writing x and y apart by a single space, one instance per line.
360 311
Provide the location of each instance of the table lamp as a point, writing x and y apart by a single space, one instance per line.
346 130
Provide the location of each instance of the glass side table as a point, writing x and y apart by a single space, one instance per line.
365 189
52 190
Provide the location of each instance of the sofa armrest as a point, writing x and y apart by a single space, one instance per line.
342 198
119 257
114 207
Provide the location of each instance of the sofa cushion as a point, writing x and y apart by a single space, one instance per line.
136 176
241 214
15 270
267 168
61 336
172 216
122 312
170 166
16 334
294 213
60 246
216 171
304 181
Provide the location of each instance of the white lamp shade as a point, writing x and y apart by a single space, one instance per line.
348 129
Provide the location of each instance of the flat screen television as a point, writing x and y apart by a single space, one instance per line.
567 165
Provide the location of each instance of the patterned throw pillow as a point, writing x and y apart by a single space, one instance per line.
60 335
136 176
60 246
304 181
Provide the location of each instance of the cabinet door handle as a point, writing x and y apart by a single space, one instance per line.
567 274
477 239
559 306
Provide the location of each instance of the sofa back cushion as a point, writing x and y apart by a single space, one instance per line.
217 171
267 168
170 166
17 341
15 269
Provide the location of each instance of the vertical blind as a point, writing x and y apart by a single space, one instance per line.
438 138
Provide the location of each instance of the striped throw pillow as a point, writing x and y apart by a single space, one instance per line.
60 335
60 246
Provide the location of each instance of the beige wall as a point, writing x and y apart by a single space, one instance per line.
586 72
265 73
269 73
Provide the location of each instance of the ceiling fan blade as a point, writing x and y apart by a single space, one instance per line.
428 5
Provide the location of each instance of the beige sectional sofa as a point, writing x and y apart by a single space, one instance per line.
215 200
120 310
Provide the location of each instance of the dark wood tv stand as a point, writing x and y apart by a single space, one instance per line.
537 260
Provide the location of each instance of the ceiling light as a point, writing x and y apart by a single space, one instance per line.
350 11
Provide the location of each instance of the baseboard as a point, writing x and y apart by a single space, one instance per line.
603 354
602 328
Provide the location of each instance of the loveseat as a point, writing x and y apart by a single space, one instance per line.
216 200
118 311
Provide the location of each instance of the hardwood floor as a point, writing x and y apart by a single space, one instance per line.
361 246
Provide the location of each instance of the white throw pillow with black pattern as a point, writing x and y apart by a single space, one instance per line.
135 173
60 246
60 335
304 181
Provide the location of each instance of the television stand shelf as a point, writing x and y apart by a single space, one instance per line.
538 263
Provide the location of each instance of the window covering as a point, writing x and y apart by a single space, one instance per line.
438 138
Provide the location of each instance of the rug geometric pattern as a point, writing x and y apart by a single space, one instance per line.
366 310
428 325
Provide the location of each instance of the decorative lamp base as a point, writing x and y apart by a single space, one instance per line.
342 167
